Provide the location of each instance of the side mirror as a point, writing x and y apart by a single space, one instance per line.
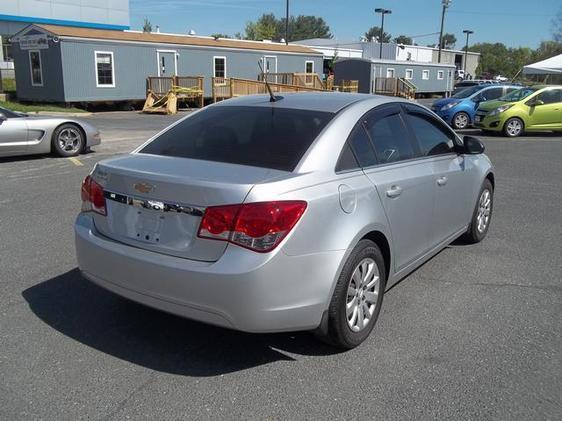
472 145
535 102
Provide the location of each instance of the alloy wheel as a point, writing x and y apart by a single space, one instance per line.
69 140
362 294
514 127
461 121
484 210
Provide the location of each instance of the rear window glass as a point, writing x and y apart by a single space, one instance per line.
266 137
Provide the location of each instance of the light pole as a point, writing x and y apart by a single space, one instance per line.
287 24
467 32
445 3
382 12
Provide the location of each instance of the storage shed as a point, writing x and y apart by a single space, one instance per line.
428 78
70 64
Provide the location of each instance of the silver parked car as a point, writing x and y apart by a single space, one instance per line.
21 134
281 216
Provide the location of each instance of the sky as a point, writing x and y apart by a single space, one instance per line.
513 22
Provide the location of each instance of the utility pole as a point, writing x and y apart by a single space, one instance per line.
467 32
382 12
287 24
445 3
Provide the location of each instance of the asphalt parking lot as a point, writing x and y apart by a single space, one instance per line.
475 333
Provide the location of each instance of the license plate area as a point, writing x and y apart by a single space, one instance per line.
148 227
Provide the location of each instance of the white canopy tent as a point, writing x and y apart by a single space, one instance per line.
550 66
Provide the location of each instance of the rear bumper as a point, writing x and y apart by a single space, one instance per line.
243 290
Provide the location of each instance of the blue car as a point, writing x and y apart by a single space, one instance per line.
459 110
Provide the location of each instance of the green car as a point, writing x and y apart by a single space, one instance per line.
535 108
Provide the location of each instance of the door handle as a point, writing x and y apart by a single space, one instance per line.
442 180
394 191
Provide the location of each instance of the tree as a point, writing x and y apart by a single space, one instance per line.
146 26
375 32
300 27
219 35
448 41
403 39
264 28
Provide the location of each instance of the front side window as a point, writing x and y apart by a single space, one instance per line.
104 69
492 93
266 137
432 137
35 66
390 137
409 74
425 75
551 96
219 66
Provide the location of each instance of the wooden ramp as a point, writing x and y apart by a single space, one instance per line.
395 87
164 93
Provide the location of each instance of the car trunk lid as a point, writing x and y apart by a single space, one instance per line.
156 202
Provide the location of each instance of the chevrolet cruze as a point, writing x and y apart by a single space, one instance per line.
285 215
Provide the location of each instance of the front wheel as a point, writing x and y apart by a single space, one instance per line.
357 298
68 140
461 120
513 127
482 215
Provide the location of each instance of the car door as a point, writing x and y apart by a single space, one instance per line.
452 182
548 113
13 135
404 184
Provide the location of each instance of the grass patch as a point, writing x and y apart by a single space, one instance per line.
30 108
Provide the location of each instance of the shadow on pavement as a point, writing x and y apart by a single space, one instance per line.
150 338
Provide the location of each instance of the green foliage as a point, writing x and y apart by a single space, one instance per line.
300 27
8 85
374 32
403 39
146 26
448 41
219 35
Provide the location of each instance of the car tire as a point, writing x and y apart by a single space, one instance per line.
482 215
513 127
359 291
460 120
68 140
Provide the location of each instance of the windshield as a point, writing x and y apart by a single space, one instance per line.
267 137
465 93
8 113
518 95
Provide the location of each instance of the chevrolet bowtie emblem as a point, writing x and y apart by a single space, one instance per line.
144 187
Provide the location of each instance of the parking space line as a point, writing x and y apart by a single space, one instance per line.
76 161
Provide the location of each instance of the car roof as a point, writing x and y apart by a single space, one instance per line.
316 101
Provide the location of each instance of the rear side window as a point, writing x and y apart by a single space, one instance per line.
347 160
432 137
267 137
361 146
391 138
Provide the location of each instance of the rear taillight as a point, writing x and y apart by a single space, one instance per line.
257 226
92 196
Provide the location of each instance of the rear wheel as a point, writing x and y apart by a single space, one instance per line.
357 298
68 140
461 120
482 215
513 127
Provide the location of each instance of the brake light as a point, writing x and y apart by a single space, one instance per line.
92 196
257 226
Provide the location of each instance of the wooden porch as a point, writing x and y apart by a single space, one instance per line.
395 87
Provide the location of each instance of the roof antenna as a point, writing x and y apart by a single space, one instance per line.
264 75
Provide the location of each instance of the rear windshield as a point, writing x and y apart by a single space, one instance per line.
268 137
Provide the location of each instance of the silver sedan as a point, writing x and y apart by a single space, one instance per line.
21 134
295 214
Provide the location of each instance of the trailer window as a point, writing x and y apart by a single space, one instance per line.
36 68
105 70
219 66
